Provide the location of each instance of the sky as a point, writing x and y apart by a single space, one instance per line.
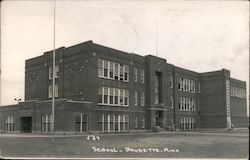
197 35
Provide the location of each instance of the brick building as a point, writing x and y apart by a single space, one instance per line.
99 89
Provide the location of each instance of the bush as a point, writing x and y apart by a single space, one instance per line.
156 128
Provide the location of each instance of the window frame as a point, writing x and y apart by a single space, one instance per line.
142 76
143 122
171 102
135 74
142 98
136 122
112 70
135 98
171 80
9 123
120 97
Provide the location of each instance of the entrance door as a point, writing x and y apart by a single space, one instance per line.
159 118
26 124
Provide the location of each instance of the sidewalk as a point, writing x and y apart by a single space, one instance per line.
224 132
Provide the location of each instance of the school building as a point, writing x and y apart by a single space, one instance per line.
101 90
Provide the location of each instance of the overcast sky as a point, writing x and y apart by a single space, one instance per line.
197 35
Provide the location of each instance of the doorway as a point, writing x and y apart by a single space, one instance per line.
26 124
159 118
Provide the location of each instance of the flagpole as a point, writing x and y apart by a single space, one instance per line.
156 36
53 76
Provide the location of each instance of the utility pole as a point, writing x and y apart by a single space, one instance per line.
156 37
53 76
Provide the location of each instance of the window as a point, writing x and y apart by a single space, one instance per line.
51 71
113 123
142 99
171 102
113 96
135 74
194 105
126 73
105 69
238 92
105 97
157 88
123 123
100 95
233 89
121 97
184 101
56 71
121 72
111 70
46 122
180 84
50 91
135 98
191 86
81 122
191 104
9 124
199 87
116 71
194 87
136 122
119 123
126 122
187 123
101 122
116 96
126 98
143 122
142 76
186 85
182 123
100 68
180 103
115 118
187 104
108 122
171 82
56 90
193 123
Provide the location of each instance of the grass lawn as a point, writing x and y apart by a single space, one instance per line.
153 145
